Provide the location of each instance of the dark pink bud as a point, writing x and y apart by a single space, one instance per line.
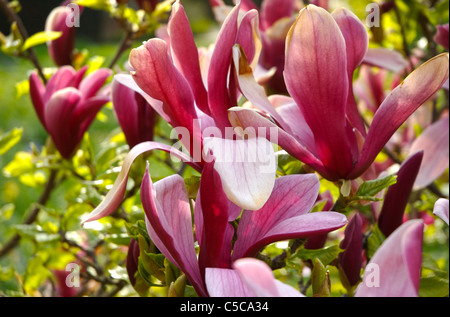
132 260
135 115
61 49
397 196
351 259
441 36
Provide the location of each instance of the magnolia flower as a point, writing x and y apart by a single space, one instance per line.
394 271
61 49
441 209
320 125
395 268
284 216
135 116
68 104
168 75
248 277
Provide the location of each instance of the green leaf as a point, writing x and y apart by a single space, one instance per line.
373 187
320 276
433 286
8 140
325 255
40 38
104 5
374 241
6 211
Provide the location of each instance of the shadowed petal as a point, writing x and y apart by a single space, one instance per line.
417 88
387 59
215 247
433 141
397 264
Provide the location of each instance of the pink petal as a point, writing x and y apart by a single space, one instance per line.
398 262
127 80
135 116
385 58
62 78
92 83
114 197
185 54
246 167
58 114
441 209
316 78
156 74
226 283
169 224
284 216
356 42
37 91
433 141
218 95
260 279
417 88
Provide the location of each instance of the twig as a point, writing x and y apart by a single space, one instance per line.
14 241
124 45
13 17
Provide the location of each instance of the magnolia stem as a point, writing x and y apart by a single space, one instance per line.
23 32
14 241
126 44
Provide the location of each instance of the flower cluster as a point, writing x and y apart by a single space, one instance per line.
281 83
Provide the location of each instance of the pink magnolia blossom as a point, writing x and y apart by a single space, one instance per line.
61 49
284 216
320 124
168 75
394 271
68 104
